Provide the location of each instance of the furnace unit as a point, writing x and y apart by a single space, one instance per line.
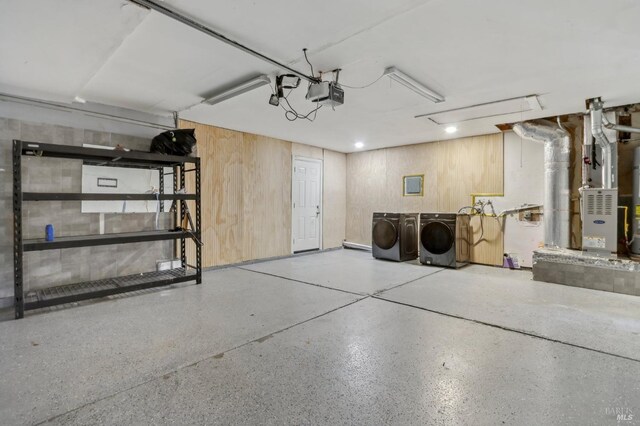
600 220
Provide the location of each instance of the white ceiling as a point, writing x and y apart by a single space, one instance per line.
113 52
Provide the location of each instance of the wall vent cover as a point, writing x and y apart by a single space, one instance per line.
600 204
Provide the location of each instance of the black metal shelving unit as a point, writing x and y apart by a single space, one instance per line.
94 289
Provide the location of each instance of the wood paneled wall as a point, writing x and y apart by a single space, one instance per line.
334 198
574 125
452 170
267 200
246 194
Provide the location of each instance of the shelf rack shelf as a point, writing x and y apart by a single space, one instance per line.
102 239
70 293
104 157
115 158
68 196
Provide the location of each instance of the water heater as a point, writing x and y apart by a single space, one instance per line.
635 210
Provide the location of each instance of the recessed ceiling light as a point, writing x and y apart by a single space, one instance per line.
359 145
451 129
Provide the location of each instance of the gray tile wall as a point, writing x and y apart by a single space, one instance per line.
587 276
56 267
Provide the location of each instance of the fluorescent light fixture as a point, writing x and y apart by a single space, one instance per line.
79 100
359 145
485 110
451 129
396 75
238 89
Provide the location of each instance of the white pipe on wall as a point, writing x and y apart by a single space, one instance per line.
356 246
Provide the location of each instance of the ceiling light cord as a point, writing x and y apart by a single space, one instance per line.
313 74
292 115
365 86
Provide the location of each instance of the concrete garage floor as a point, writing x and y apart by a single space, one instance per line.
330 338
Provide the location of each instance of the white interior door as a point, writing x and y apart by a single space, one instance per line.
306 204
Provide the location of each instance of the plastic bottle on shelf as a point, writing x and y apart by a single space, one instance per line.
48 232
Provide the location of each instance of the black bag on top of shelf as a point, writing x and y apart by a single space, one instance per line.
175 142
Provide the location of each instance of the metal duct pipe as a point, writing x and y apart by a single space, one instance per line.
619 127
609 155
586 151
556 179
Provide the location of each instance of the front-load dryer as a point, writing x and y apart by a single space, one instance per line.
445 239
394 236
